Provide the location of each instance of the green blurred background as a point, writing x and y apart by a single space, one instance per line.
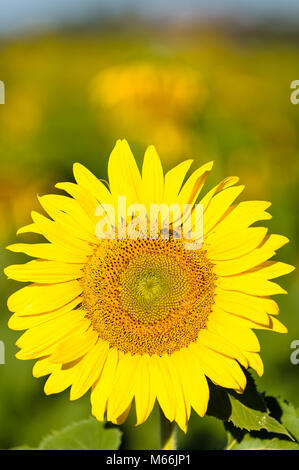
209 90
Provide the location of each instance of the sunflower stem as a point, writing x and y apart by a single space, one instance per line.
167 433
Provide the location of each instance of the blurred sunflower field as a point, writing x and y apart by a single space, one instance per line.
203 95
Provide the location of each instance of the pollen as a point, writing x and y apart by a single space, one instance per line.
148 296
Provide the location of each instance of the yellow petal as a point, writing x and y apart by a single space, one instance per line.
247 306
226 183
231 245
162 385
218 206
85 199
194 184
74 226
61 378
152 177
68 205
73 347
274 241
269 305
218 344
221 370
42 339
273 269
243 215
89 370
44 271
55 233
255 362
144 394
182 410
31 228
123 173
234 329
51 252
274 325
122 418
173 181
277 326
124 386
44 367
91 183
23 322
194 382
252 284
37 299
244 263
102 388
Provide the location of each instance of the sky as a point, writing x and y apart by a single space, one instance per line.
18 15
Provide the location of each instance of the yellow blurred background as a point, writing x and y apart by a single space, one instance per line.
207 93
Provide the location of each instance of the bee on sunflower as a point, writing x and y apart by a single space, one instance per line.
146 319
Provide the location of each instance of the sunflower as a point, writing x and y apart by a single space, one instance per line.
145 319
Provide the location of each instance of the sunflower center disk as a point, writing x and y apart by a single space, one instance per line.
147 296
150 288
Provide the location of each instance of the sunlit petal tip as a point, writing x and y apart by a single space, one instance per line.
277 326
234 179
41 199
186 163
74 395
34 215
291 268
47 390
260 370
11 247
281 290
151 148
124 142
284 240
11 322
117 148
14 324
78 168
24 229
210 165
183 427
20 355
61 185
8 271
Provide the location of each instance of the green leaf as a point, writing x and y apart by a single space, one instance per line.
290 417
252 419
24 447
247 411
250 443
88 434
